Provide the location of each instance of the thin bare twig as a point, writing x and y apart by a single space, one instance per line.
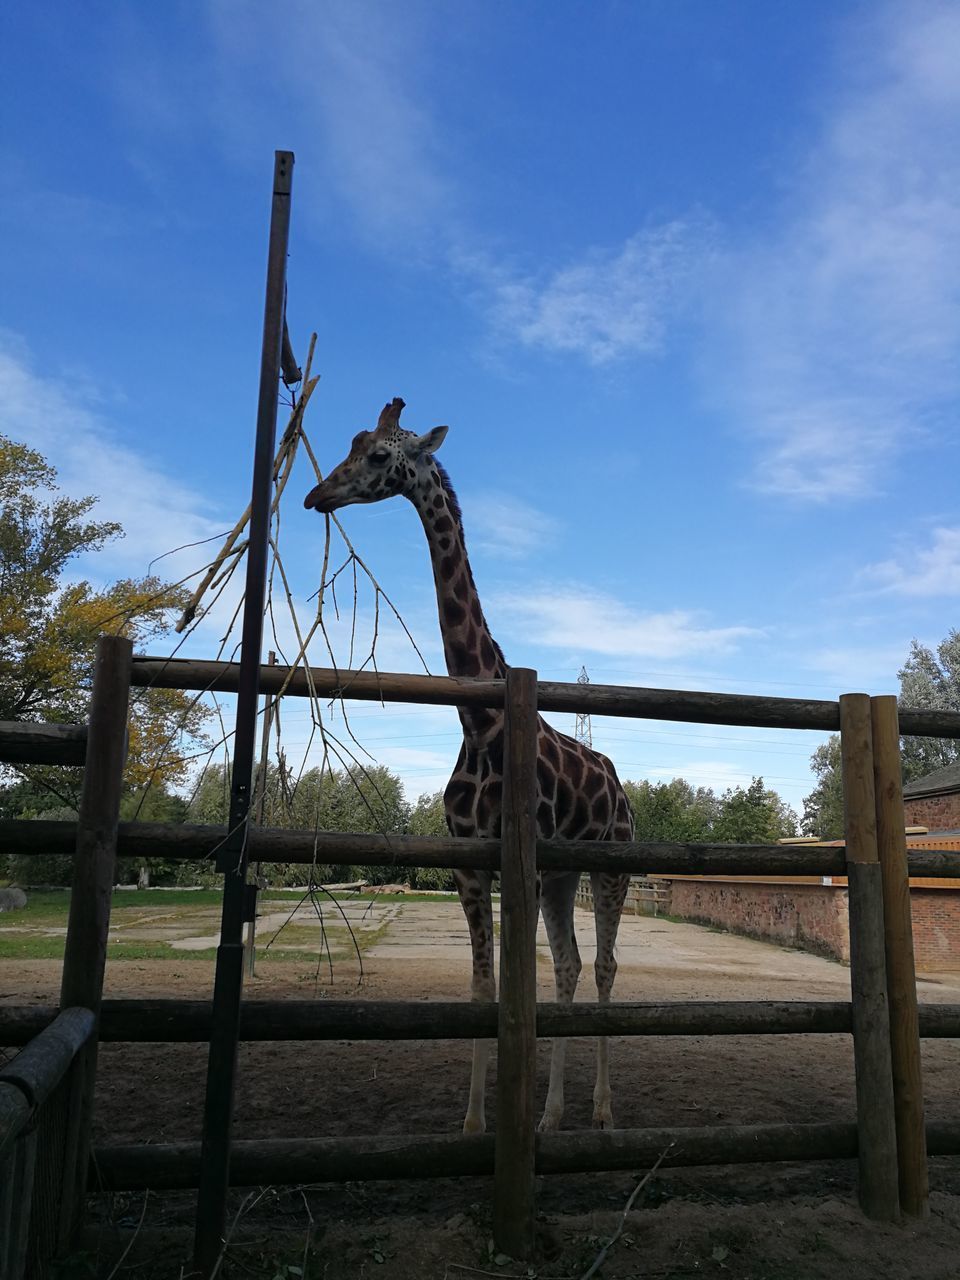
598 1260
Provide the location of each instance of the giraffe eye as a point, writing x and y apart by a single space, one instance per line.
379 457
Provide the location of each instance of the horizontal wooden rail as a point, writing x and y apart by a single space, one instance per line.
188 842
42 1064
612 700
24 743
188 1021
279 1161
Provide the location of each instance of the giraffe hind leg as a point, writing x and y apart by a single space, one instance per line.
609 892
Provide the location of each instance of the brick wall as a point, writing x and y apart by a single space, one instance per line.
936 928
810 916
814 917
939 813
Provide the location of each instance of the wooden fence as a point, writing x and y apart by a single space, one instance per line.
889 1138
40 1119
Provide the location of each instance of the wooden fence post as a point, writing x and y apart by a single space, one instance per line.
515 1153
85 952
901 973
876 1131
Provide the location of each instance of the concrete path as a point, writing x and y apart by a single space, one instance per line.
650 950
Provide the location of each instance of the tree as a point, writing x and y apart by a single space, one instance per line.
930 681
427 818
823 807
49 627
672 810
355 799
753 815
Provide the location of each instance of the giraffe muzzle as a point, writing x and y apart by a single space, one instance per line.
319 500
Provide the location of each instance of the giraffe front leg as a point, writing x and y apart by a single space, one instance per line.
556 903
608 895
474 889
475 1120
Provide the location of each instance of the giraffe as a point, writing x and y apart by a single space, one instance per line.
580 796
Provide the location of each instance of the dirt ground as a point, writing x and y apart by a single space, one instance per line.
783 1222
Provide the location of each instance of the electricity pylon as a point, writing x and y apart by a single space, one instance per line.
583 732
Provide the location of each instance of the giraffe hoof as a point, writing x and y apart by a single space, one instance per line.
603 1119
473 1125
548 1123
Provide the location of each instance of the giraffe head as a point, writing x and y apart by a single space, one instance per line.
380 464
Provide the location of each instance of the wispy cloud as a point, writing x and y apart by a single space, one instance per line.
66 423
843 324
359 80
609 304
851 667
720 775
933 570
585 621
505 526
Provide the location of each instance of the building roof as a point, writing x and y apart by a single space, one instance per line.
932 784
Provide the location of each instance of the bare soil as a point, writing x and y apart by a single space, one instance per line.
776 1221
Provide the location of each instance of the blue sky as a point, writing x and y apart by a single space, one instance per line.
683 279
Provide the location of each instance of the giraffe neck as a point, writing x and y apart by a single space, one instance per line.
468 646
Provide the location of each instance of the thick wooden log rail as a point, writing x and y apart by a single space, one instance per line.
889 1139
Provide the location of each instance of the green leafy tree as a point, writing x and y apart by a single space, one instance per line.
823 807
157 804
672 811
930 681
753 815
427 818
360 800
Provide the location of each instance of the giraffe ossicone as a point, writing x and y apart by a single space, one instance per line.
580 796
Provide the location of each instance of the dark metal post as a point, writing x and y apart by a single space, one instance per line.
222 1063
94 873
514 1208
260 797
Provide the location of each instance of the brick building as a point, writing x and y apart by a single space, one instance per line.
810 912
934 801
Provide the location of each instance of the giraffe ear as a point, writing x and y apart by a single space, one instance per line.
431 442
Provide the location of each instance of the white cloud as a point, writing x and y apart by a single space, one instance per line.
922 571
585 621
66 423
849 668
718 774
843 326
611 304
506 526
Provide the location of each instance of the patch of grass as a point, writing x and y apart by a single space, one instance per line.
33 946
44 907
124 898
311 958
370 895
30 946
155 951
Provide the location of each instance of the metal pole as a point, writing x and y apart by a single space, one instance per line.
94 872
260 796
222 1062
514 1207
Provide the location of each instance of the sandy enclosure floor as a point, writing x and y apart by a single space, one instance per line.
776 1221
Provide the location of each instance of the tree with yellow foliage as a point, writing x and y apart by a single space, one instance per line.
49 627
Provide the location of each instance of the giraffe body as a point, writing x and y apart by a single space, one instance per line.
579 794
